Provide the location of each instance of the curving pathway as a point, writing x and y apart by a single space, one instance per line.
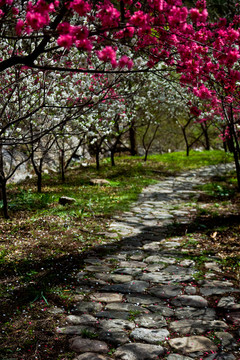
140 296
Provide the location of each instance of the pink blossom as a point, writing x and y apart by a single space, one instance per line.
139 18
65 41
195 111
15 11
80 6
108 14
84 44
64 28
202 92
108 55
125 61
19 27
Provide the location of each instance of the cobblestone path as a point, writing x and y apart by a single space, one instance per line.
143 299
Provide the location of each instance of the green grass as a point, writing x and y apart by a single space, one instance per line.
127 179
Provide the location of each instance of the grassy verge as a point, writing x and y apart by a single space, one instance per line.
44 243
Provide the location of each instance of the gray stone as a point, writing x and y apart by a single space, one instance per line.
160 259
132 264
150 321
195 326
187 262
134 286
191 290
128 271
193 313
124 307
106 297
216 287
166 291
178 357
190 300
117 323
170 244
56 311
176 270
221 356
86 307
149 335
155 245
113 314
138 351
91 356
164 278
213 266
192 344
92 261
98 268
81 345
120 278
114 336
161 309
154 267
228 303
225 338
142 299
84 319
138 256
65 200
75 329
99 182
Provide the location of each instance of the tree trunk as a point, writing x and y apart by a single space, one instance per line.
132 138
146 155
186 140
112 157
3 184
206 136
61 160
235 152
97 159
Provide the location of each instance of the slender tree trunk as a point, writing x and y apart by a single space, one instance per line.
132 138
112 157
61 161
206 136
225 146
3 186
146 155
186 140
235 148
97 159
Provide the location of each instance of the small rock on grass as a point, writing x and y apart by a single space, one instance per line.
65 200
99 182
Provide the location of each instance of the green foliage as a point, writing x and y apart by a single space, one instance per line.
218 190
88 334
29 200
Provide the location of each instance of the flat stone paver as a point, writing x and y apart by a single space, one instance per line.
142 300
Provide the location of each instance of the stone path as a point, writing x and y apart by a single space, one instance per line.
142 300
